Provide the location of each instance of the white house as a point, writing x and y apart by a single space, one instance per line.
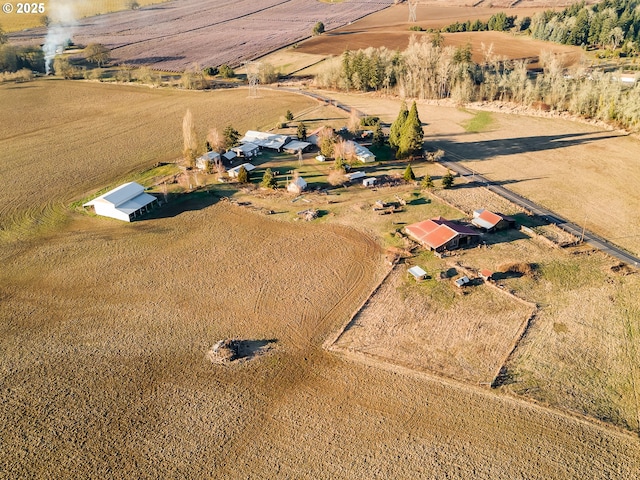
123 203
363 153
246 150
207 160
233 172
297 185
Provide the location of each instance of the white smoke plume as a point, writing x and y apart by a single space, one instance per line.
62 15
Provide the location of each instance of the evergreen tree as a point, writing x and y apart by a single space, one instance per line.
231 136
378 136
427 182
447 180
268 181
243 175
409 176
302 131
411 134
396 126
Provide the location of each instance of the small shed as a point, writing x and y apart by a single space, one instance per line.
462 281
490 221
369 181
486 274
297 185
418 273
321 158
355 176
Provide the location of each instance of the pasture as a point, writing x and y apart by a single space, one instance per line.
105 325
72 138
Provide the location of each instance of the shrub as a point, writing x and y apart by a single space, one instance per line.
318 29
243 175
408 175
226 71
447 180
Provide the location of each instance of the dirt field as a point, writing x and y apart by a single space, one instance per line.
433 326
390 29
104 338
109 131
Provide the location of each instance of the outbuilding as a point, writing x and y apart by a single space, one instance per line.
123 203
490 221
439 234
418 273
369 181
297 185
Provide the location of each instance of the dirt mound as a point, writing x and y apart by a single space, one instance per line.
229 350
528 269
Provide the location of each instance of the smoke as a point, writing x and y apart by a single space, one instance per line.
63 22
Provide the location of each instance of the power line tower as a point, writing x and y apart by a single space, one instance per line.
253 77
413 6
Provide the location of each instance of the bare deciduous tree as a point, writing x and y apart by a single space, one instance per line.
190 141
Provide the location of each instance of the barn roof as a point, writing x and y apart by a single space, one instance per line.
437 232
119 195
265 139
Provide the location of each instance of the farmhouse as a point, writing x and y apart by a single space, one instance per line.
297 185
246 150
439 234
233 172
207 160
123 203
363 154
490 221
271 141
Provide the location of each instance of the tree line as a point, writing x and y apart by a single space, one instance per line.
427 70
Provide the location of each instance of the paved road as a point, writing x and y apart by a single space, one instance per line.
589 237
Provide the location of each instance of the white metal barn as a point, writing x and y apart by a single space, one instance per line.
123 203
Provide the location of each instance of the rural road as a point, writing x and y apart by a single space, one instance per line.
591 238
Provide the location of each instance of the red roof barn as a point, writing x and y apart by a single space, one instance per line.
440 234
491 221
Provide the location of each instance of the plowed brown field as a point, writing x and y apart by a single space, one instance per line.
390 29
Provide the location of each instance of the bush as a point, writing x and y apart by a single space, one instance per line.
318 29
427 182
369 121
226 71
